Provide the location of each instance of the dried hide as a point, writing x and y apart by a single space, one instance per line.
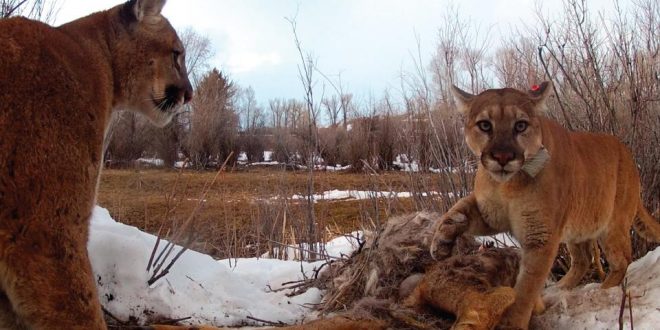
385 260
393 278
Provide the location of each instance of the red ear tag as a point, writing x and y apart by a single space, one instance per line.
535 88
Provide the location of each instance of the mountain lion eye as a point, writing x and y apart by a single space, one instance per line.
485 126
520 126
176 58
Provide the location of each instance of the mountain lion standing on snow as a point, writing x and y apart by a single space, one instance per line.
59 86
545 185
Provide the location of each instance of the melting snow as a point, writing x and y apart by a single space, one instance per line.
226 292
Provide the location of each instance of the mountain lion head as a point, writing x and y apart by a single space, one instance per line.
503 129
149 62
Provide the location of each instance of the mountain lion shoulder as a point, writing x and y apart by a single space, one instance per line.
59 86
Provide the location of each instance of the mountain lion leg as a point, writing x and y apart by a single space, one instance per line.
580 262
618 252
463 217
54 287
596 261
534 269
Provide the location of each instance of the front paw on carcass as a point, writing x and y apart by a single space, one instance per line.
449 226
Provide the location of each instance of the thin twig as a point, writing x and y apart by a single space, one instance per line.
153 251
169 247
12 10
174 321
167 269
107 312
305 250
277 324
630 310
622 307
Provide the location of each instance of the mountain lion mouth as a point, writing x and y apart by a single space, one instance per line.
173 97
165 104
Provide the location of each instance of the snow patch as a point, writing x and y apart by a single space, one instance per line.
589 307
198 286
226 292
335 195
151 161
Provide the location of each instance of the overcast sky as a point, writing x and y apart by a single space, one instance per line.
368 42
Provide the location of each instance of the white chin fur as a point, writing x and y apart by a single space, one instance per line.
495 170
502 177
160 118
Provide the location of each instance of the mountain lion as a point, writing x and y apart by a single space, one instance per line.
59 86
545 185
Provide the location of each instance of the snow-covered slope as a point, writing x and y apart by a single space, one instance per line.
220 293
589 307
198 286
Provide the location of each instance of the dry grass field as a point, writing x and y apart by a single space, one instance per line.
245 212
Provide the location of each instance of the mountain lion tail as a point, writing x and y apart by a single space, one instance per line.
645 225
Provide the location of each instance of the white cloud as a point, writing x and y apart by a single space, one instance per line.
368 42
245 61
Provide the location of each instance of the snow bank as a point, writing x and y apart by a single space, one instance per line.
405 164
336 168
198 286
357 195
151 161
589 307
226 292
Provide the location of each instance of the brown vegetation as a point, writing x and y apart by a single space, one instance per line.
250 206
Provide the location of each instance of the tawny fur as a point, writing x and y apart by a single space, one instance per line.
588 190
476 288
330 323
59 86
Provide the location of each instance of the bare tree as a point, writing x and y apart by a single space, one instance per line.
306 70
444 63
43 10
332 107
252 122
213 120
198 53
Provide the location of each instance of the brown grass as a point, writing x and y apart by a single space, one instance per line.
242 211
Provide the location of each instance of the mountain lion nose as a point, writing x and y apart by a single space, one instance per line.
188 93
502 157
187 96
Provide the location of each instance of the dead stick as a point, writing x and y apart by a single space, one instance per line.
630 310
622 308
153 251
278 323
162 262
164 249
156 274
169 266
107 312
174 321
305 250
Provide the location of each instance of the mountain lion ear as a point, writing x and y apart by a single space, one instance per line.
539 93
462 98
145 8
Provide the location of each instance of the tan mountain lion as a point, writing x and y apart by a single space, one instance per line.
545 185
59 86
